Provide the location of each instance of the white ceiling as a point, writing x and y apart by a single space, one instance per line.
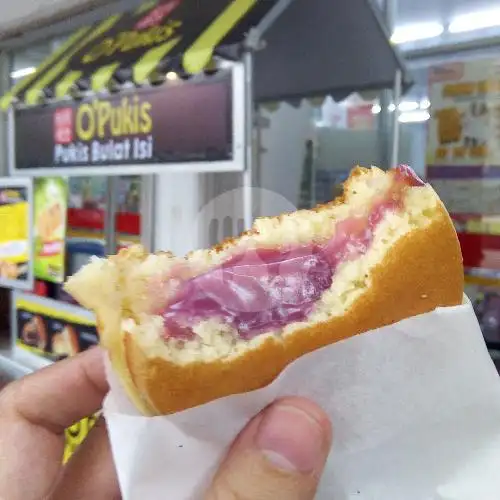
19 13
411 11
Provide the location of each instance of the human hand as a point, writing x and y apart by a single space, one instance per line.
279 455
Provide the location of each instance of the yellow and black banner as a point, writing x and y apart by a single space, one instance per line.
170 35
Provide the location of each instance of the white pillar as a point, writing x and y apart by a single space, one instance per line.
176 208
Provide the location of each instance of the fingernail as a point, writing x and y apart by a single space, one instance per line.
291 439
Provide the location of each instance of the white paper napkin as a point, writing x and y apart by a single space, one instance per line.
415 408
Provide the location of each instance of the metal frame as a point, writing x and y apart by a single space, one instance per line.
147 211
110 239
398 86
25 183
237 164
247 92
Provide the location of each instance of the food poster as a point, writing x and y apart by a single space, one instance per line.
464 129
15 236
51 202
463 166
51 329
463 155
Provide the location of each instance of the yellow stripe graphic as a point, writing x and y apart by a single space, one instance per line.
53 312
199 54
103 75
149 61
62 88
7 99
33 93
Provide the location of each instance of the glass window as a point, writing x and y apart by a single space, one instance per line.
25 61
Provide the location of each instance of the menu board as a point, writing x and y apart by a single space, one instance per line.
51 329
16 238
51 206
464 129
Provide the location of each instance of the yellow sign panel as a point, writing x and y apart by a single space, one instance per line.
76 434
14 234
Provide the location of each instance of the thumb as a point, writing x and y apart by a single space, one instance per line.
280 455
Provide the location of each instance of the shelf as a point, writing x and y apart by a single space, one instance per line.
15 363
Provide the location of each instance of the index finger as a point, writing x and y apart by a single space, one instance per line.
60 395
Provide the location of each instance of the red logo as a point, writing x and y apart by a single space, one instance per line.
52 248
63 126
157 15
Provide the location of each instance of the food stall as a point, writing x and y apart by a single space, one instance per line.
170 87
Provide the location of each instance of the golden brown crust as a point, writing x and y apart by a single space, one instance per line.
422 271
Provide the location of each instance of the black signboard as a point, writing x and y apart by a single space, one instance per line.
177 123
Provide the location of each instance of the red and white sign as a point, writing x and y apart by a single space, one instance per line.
157 15
63 126
360 117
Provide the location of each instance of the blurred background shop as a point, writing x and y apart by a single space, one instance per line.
358 82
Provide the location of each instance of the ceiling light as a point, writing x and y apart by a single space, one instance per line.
408 106
376 109
414 116
418 31
475 21
391 107
425 104
19 73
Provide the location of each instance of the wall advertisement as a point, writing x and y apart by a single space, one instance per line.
463 165
16 241
50 216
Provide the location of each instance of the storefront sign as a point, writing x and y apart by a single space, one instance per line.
16 235
52 329
184 123
51 206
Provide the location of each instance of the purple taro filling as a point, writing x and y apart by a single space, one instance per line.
266 289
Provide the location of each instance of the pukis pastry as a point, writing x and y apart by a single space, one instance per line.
181 332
